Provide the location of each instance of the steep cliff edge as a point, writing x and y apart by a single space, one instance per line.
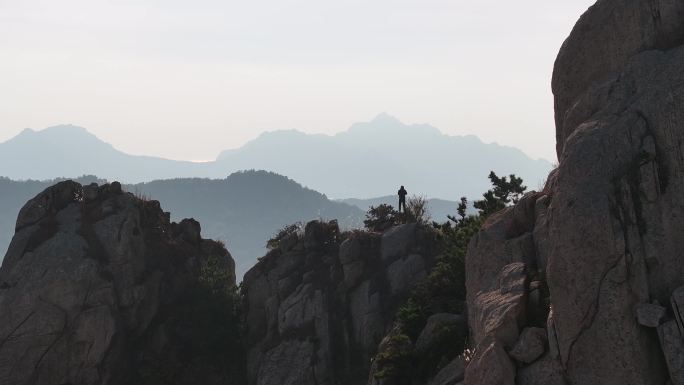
318 305
605 234
99 287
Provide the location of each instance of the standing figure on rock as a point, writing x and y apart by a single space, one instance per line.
402 198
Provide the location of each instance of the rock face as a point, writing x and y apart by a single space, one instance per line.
604 236
318 305
92 288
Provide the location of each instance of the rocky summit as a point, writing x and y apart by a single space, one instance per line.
93 288
318 305
593 263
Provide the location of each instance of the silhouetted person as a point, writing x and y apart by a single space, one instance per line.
402 198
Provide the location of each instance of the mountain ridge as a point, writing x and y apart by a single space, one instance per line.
377 156
244 209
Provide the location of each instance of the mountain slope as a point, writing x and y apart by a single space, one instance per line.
369 159
65 150
374 158
244 209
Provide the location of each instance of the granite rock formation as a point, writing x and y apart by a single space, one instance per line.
595 256
318 305
93 288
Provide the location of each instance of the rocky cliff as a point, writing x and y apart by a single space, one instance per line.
581 283
318 305
99 287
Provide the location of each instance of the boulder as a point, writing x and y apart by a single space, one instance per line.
490 365
501 312
436 325
677 302
316 312
452 374
604 40
398 241
673 349
513 279
530 346
98 288
545 371
405 272
649 314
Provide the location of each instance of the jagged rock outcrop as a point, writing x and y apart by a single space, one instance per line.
99 287
603 239
318 305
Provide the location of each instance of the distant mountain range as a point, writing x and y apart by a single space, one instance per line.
244 210
369 159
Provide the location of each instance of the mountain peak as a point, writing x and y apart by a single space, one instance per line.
385 124
385 118
69 129
58 130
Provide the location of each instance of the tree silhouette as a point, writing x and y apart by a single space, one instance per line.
505 191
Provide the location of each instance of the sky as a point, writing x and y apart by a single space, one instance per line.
187 79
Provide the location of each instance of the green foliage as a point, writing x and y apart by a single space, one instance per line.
443 291
381 217
416 210
215 278
287 230
461 210
214 316
207 328
504 192
462 207
395 359
412 316
444 288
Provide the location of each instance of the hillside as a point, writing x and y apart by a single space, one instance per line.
244 210
369 159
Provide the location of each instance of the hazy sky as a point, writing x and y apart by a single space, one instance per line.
186 79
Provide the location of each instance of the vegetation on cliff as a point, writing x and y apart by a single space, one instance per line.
443 291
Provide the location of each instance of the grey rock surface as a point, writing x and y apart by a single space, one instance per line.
317 313
677 303
501 312
530 346
673 349
452 374
545 371
606 229
436 326
649 314
604 40
490 365
89 286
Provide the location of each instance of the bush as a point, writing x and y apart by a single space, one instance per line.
394 360
416 210
274 242
207 326
382 217
443 291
